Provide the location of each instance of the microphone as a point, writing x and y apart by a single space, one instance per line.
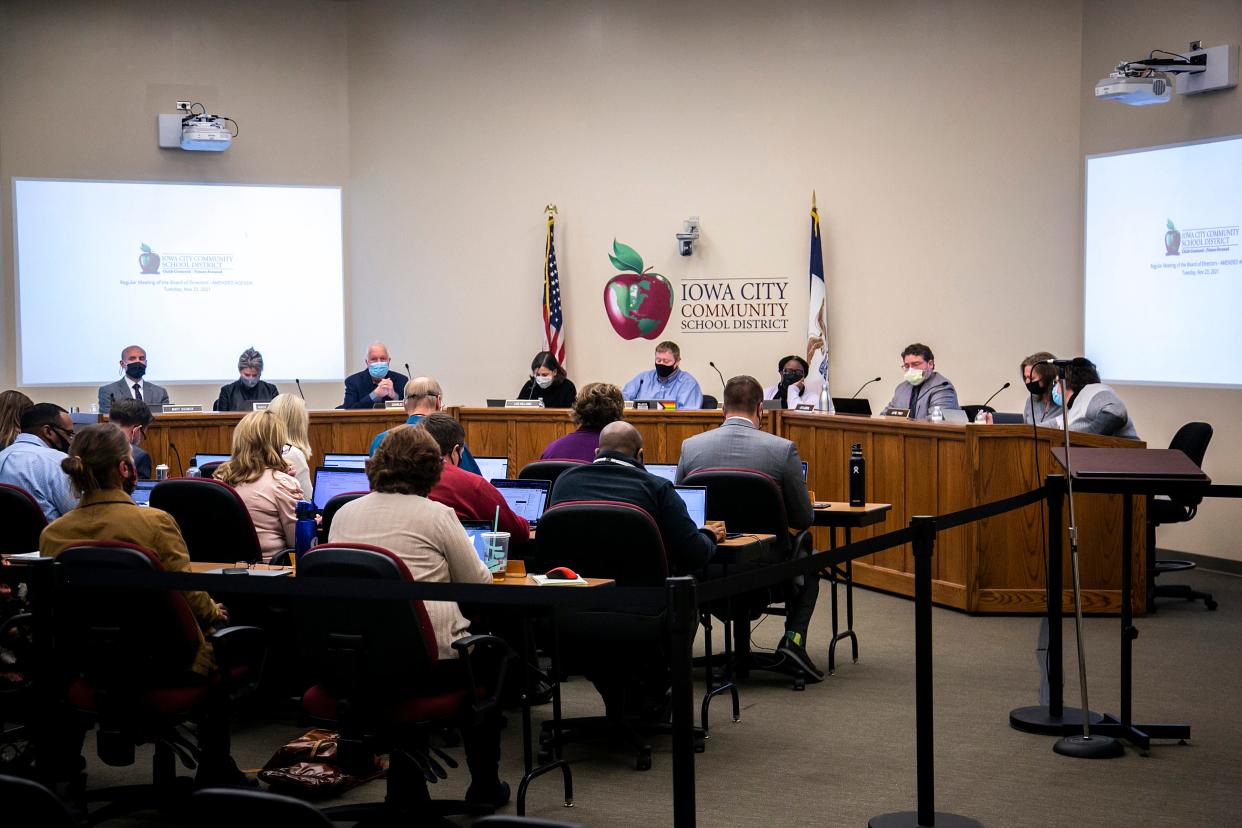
409 374
299 384
717 370
864 385
989 399
180 465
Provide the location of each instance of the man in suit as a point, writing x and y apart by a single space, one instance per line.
132 386
370 388
921 387
740 444
134 417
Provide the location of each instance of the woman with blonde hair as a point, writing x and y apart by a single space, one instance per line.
12 404
290 409
260 474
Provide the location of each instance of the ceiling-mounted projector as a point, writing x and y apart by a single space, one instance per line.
196 131
1134 91
1145 82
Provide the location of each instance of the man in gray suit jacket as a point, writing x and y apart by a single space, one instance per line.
132 386
921 387
741 444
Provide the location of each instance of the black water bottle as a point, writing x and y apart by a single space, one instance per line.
858 476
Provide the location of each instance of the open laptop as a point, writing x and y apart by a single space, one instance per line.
345 461
474 530
142 492
201 460
527 498
666 470
695 498
852 405
493 467
331 482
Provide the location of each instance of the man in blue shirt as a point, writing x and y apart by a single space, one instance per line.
666 381
33 460
424 396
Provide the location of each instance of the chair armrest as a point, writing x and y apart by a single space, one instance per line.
284 558
239 646
487 657
15 620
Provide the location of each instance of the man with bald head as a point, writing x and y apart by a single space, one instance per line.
371 387
618 474
132 386
424 396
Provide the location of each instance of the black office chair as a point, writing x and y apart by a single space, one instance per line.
330 509
214 807
24 802
1192 440
374 664
23 520
623 652
710 403
209 469
973 411
522 822
212 517
547 469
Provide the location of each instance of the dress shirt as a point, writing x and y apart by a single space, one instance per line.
35 466
474 498
272 501
680 386
467 459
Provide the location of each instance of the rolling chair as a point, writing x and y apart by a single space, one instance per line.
330 509
212 518
973 411
710 403
1192 440
23 520
208 470
547 469
29 803
213 807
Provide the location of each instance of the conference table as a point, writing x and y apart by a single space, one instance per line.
921 468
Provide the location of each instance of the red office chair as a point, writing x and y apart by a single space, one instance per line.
127 653
547 469
212 517
374 663
23 520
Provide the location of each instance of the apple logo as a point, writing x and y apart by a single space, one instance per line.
149 261
1172 240
638 303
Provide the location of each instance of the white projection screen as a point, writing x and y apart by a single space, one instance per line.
1163 264
193 273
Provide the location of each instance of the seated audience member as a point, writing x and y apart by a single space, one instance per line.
424 396
740 443
247 389
469 495
101 466
617 473
133 417
1039 378
796 385
33 460
370 388
598 404
548 382
290 409
666 381
398 516
132 386
260 474
12 405
921 387
1093 406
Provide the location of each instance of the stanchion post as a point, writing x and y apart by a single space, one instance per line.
1056 675
683 615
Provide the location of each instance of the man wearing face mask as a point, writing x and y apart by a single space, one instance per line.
666 381
921 387
248 389
1043 406
134 418
33 461
132 386
794 387
370 388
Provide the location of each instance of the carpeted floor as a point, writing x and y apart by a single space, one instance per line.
843 751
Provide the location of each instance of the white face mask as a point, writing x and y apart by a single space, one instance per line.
543 382
914 376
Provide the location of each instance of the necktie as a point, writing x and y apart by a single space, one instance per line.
137 392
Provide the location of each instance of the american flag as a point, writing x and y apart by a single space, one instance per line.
553 318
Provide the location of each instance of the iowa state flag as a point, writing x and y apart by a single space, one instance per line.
817 327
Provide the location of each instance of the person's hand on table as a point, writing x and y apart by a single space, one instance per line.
717 528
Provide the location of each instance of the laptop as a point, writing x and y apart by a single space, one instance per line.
345 461
331 482
201 460
527 498
474 530
666 470
695 498
852 405
490 467
142 492
1004 418
494 403
955 415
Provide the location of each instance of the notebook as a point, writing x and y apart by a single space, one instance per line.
345 461
493 467
695 498
331 482
142 492
527 498
666 470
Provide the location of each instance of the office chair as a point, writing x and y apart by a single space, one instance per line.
1192 440
212 517
507 821
23 520
28 803
709 403
127 653
547 470
215 807
973 411
330 509
616 649
374 664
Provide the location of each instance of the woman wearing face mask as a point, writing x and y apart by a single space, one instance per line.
548 383
248 389
1043 406
794 386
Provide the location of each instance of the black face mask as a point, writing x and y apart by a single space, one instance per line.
1036 387
664 371
790 377
135 370
130 481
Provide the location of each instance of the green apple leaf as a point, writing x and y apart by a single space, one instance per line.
645 326
625 258
1169 224
145 248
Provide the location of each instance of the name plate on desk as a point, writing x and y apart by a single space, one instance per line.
804 407
524 403
896 412
260 406
180 409
655 405
394 404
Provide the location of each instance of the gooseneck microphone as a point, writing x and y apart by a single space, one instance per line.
408 373
717 370
298 382
177 454
989 399
864 385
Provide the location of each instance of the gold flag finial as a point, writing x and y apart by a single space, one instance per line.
550 209
812 199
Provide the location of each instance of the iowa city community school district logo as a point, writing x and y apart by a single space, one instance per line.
149 261
1172 240
638 302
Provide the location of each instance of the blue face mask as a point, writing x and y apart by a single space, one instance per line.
378 370
1056 395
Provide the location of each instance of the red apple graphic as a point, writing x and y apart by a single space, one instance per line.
638 302
149 261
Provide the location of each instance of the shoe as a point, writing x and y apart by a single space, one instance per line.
493 796
796 655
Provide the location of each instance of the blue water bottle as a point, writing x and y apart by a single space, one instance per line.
306 532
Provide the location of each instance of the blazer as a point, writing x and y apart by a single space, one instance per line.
123 388
739 445
935 390
358 388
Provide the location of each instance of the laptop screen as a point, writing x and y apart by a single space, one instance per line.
493 467
345 461
666 470
474 530
201 460
527 498
331 482
695 498
142 492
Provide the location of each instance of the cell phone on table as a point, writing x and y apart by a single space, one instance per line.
733 535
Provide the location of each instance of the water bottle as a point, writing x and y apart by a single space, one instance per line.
858 476
305 534
825 402
193 471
